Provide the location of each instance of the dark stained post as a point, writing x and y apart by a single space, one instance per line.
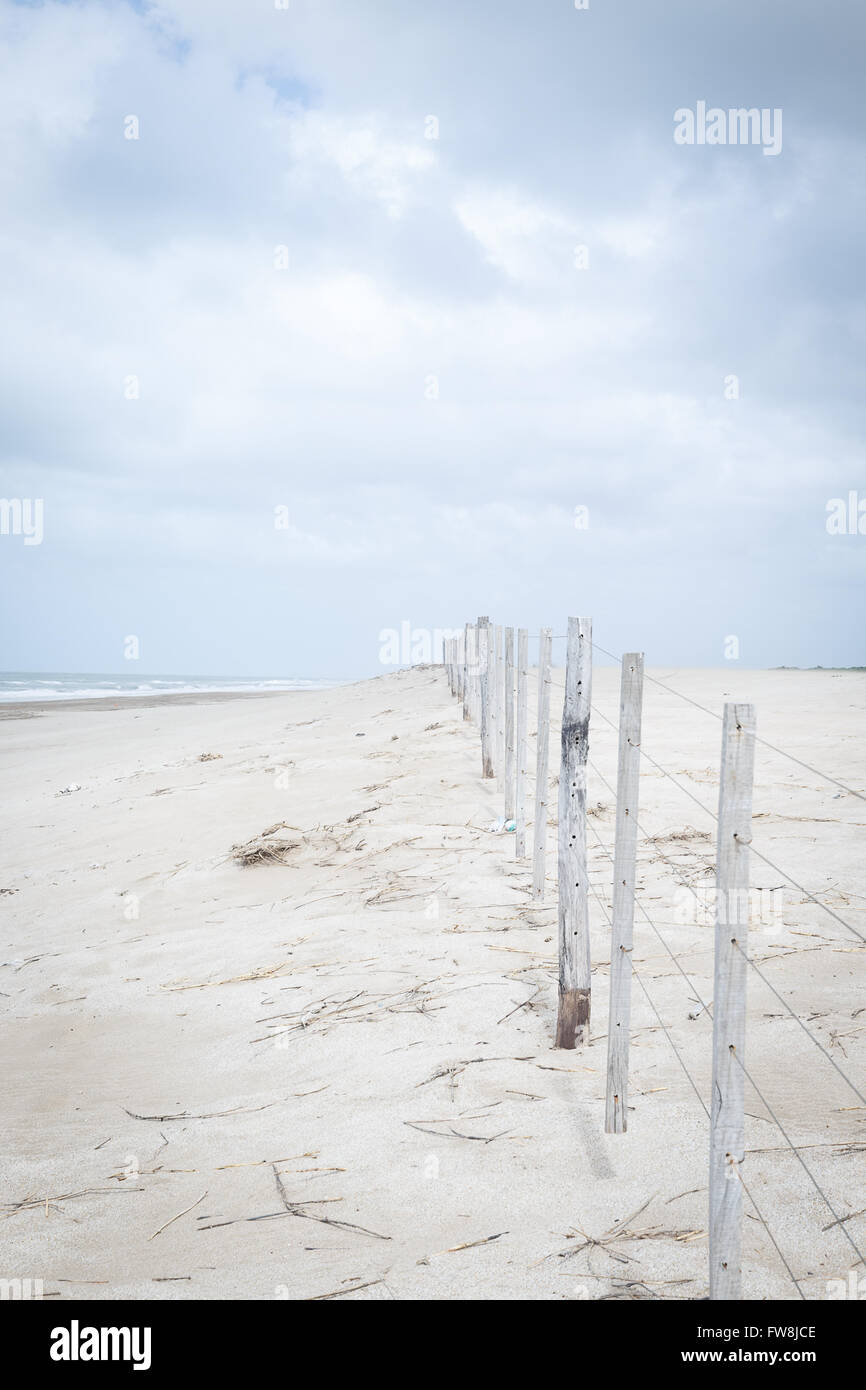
572 1024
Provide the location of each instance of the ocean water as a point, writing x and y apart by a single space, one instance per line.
61 685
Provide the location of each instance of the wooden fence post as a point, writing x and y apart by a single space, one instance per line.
542 755
484 667
500 705
460 659
624 865
521 750
493 687
508 685
495 646
482 622
727 1138
572 1024
468 674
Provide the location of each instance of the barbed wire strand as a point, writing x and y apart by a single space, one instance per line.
706 1007
751 962
838 1220
795 1281
766 744
810 896
652 838
763 857
691 1080
859 1094
664 771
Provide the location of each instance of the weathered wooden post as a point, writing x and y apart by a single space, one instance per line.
482 622
475 705
572 1024
624 865
521 750
495 647
499 754
508 660
484 667
727 1138
460 659
468 674
542 754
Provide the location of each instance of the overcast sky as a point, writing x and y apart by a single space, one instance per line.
428 377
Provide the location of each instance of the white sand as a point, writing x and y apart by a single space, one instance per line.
145 971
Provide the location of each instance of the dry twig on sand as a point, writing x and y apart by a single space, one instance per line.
208 1114
340 1293
294 1209
471 1244
27 1203
172 1219
622 1231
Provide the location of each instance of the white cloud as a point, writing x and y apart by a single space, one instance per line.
373 163
529 243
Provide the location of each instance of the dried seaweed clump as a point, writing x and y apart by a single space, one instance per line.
264 849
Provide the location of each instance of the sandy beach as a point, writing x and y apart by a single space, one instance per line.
328 1072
